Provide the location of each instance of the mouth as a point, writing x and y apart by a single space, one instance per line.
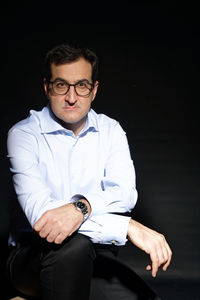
70 108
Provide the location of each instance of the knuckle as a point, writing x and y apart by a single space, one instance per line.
160 241
47 214
54 220
162 238
163 260
65 229
156 261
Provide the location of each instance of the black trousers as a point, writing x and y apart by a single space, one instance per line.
75 270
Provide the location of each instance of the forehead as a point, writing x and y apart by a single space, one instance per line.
73 71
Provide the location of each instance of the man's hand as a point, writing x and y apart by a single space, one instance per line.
153 243
57 224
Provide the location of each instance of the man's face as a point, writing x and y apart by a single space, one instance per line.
70 108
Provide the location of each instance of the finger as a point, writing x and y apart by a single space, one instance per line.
148 267
165 254
40 223
168 261
162 254
44 232
60 238
161 247
51 236
155 263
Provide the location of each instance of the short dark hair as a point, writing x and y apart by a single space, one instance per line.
65 53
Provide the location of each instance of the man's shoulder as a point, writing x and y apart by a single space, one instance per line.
104 120
28 124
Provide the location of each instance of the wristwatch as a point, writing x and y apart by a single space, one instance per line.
82 207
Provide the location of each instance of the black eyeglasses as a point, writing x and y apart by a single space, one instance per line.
82 88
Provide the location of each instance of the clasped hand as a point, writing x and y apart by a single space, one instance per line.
57 224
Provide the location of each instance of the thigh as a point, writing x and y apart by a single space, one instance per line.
113 280
51 271
67 269
23 269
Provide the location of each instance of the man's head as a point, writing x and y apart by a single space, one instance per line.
65 53
71 84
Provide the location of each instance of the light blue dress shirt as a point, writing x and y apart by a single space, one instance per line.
51 167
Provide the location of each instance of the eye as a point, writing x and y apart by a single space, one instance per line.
60 84
82 85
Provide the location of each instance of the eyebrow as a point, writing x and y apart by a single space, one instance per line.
62 79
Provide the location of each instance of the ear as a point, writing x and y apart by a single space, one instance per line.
46 87
96 84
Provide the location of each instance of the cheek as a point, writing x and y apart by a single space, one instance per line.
55 101
86 106
55 106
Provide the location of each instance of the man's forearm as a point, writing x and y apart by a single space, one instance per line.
153 243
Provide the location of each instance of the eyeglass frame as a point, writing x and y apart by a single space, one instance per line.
74 85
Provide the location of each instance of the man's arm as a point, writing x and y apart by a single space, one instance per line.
39 205
114 193
153 243
57 224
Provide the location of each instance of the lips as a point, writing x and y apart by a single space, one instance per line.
70 107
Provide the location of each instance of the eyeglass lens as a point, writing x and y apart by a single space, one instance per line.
82 88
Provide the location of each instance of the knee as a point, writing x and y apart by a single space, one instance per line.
75 251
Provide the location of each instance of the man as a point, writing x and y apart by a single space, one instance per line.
75 182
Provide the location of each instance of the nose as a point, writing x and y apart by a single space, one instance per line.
71 96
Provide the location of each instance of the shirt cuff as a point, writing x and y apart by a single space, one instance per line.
106 229
78 197
115 229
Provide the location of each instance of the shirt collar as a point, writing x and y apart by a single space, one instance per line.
49 123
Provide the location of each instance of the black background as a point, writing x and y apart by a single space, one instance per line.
149 70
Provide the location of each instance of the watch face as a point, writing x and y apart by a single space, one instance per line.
81 205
